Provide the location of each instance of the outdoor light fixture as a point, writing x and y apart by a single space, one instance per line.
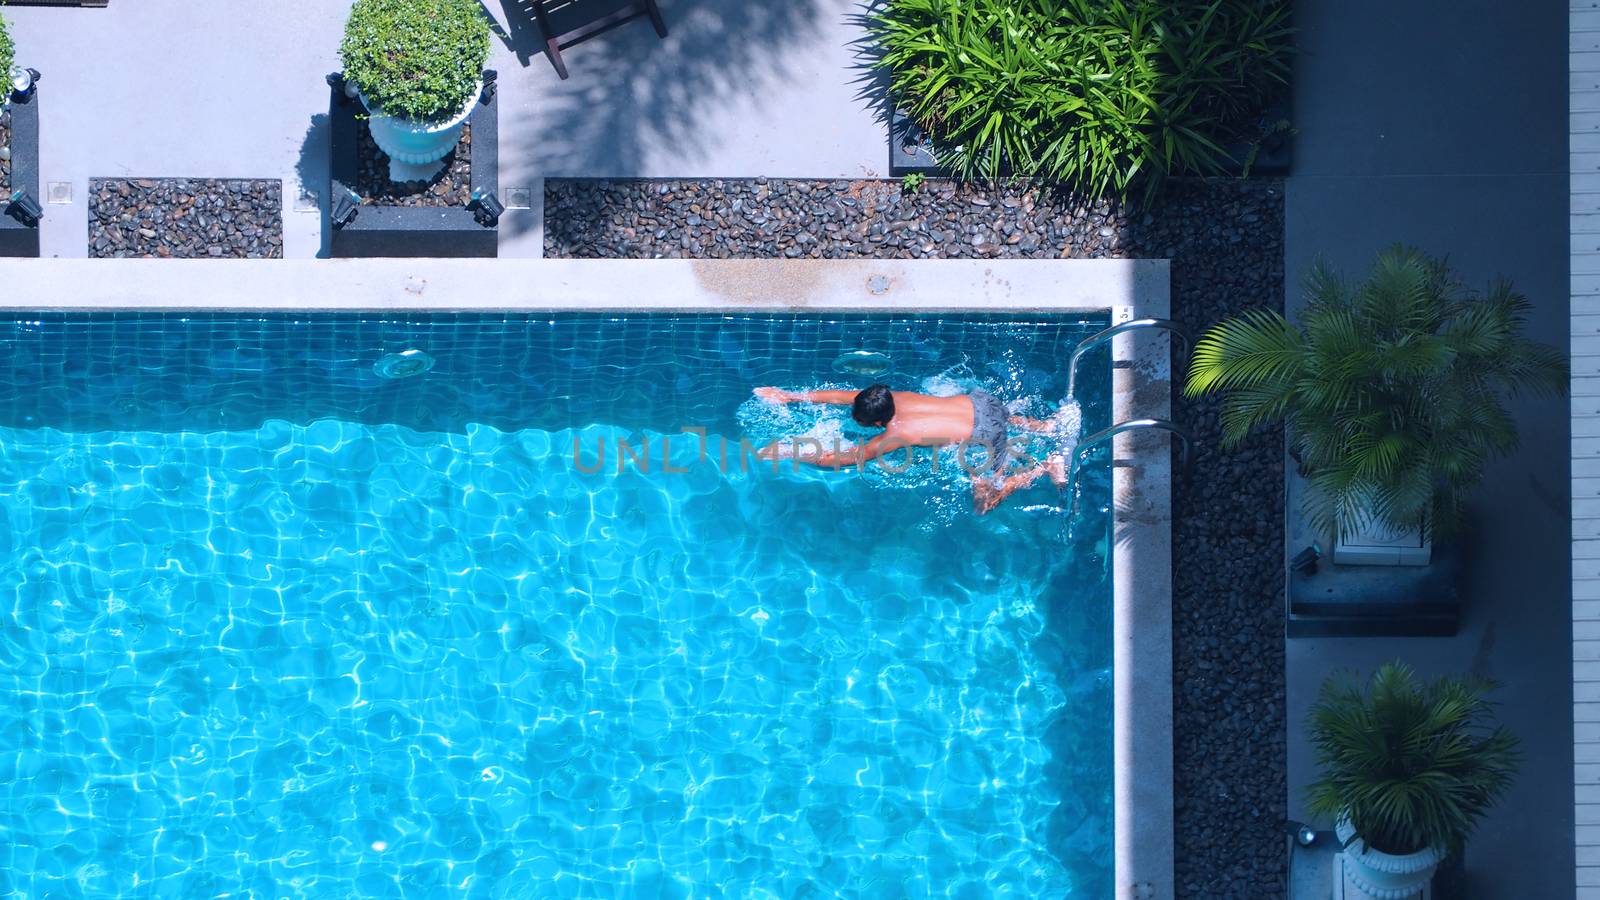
24 208
1303 834
336 81
490 76
23 81
345 209
487 206
1305 562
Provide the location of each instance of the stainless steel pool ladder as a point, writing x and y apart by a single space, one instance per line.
1177 330
1105 434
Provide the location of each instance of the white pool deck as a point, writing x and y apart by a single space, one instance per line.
1141 388
235 89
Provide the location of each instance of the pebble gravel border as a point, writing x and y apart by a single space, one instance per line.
185 218
1225 240
451 187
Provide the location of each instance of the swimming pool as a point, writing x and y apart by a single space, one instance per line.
281 625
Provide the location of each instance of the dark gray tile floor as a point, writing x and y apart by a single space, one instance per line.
1447 129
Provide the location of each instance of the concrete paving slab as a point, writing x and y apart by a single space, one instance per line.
1469 87
179 88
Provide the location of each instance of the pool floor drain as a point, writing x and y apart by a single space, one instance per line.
404 364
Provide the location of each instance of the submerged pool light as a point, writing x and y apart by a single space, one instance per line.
404 364
868 363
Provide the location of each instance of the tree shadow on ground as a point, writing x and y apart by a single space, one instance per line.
632 92
871 80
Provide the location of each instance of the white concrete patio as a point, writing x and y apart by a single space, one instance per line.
234 90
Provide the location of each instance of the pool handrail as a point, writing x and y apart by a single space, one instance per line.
1106 434
1178 330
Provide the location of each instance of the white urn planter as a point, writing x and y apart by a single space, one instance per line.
1385 876
418 143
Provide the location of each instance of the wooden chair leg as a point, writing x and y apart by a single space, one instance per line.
655 18
552 47
553 50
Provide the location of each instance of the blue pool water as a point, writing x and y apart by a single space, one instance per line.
277 626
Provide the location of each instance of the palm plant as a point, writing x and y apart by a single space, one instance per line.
1392 389
1411 765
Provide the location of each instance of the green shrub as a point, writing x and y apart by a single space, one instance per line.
417 59
7 55
1392 389
1412 765
1096 94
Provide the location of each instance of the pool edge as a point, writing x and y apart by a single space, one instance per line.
672 284
1141 387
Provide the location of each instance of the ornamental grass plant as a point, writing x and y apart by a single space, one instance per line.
1099 95
1412 765
8 56
416 59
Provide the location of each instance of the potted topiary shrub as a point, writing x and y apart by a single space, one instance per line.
1408 769
1392 389
7 60
417 66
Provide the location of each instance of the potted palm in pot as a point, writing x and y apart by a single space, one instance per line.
1392 389
1408 769
417 66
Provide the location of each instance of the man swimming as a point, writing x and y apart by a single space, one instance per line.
920 420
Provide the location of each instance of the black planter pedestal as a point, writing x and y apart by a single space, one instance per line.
18 235
1363 601
909 150
401 231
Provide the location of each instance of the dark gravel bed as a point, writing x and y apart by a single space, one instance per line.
1225 240
5 141
185 218
451 187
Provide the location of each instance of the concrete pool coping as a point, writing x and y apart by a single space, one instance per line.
1141 388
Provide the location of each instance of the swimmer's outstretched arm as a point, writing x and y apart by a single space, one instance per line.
779 395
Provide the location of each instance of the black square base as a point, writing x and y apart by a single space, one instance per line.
432 231
1363 601
19 238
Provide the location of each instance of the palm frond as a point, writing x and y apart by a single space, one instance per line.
1411 764
1260 348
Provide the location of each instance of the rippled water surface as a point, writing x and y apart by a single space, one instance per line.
277 626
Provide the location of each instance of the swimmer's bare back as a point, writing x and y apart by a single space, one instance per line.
920 420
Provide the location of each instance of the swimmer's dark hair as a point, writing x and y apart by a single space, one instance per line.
874 406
